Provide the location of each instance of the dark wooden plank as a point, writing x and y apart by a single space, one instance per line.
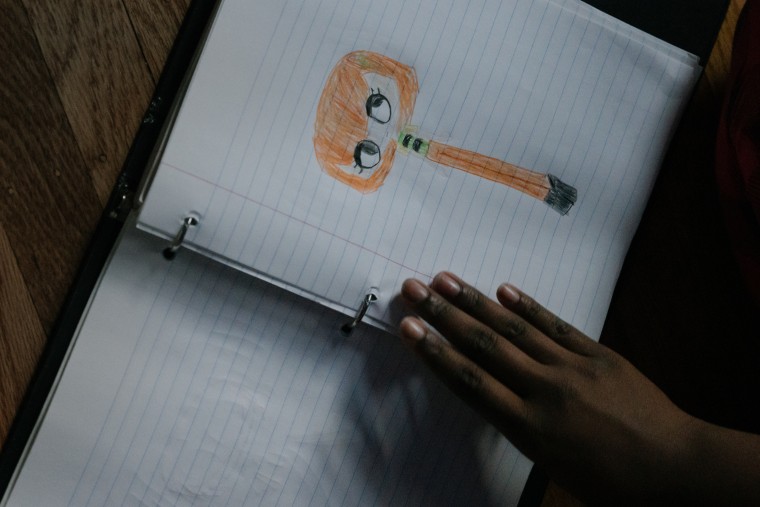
49 206
155 24
47 209
21 335
73 90
101 76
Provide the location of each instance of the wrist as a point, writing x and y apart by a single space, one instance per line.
673 459
715 466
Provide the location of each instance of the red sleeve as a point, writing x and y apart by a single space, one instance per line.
738 147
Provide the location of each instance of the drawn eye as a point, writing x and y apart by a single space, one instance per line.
366 155
378 108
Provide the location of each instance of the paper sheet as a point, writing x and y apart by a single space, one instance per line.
552 86
191 383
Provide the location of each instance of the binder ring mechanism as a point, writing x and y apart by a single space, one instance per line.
189 221
369 298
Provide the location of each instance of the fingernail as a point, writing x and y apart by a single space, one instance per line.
508 293
414 291
412 330
446 285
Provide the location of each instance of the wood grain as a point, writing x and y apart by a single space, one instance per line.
19 321
74 86
48 207
76 78
155 25
100 74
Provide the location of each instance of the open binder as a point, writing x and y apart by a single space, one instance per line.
335 151
330 150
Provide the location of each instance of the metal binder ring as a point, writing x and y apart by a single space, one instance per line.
369 298
171 251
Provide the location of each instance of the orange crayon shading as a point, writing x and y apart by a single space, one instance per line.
342 119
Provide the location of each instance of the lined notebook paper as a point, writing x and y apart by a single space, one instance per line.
191 383
552 86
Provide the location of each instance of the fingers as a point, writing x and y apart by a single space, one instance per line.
545 321
477 341
503 321
502 406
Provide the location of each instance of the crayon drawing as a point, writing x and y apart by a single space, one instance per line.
363 119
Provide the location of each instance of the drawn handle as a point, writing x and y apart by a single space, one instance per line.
546 187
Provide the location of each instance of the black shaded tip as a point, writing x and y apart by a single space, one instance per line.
561 196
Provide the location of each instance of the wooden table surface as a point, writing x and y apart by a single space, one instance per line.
76 78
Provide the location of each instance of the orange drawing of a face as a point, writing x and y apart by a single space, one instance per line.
367 100
363 117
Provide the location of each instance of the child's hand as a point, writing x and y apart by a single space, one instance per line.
581 411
